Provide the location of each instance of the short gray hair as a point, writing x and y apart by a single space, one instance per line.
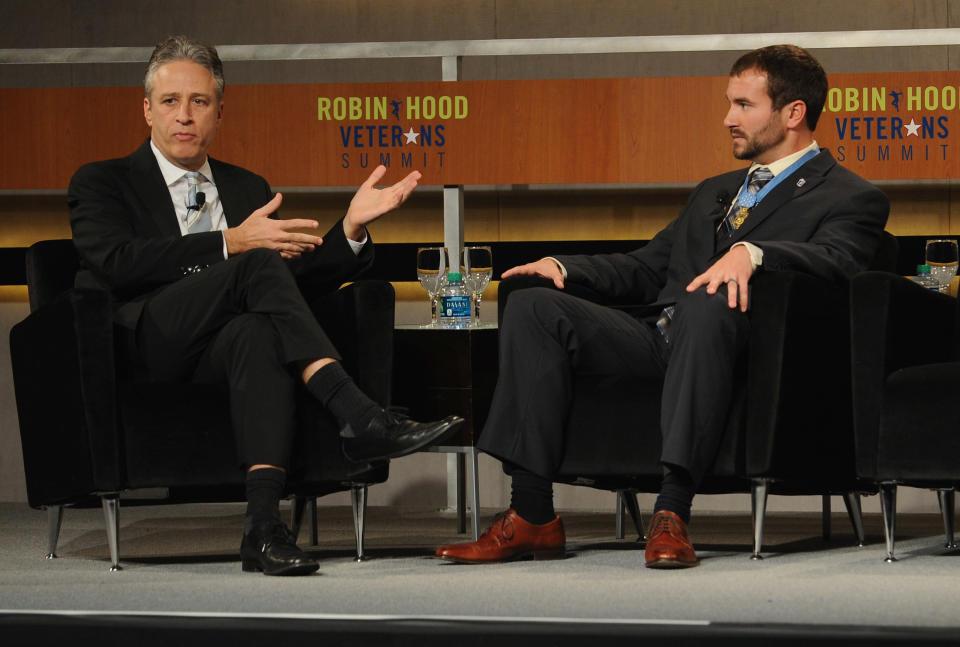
178 48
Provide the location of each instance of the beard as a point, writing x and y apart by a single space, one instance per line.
755 144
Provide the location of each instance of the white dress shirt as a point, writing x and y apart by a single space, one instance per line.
176 179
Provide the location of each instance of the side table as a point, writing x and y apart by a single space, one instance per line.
440 371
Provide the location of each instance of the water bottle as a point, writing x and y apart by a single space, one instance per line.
925 279
454 303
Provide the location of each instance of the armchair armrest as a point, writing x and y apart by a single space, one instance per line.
359 320
798 375
58 355
895 324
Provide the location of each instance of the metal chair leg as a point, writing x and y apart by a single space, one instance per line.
888 504
299 506
358 496
855 512
947 499
759 508
54 522
314 522
621 504
111 514
474 493
461 492
619 516
633 509
825 517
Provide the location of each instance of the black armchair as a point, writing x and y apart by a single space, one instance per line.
789 431
92 428
906 369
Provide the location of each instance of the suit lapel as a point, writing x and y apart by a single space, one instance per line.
803 180
148 183
232 196
715 217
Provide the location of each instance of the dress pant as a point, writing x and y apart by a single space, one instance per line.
547 337
243 323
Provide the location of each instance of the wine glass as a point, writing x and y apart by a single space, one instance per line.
477 270
432 263
942 259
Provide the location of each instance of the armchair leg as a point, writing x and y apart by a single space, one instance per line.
855 512
888 504
619 517
111 515
474 493
54 522
359 498
825 517
299 506
630 501
946 499
759 509
314 523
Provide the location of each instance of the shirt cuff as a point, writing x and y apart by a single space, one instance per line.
563 270
225 255
357 245
756 254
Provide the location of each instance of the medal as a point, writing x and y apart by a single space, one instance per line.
742 214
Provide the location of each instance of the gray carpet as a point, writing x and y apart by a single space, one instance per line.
183 559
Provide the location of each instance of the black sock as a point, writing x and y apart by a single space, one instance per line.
342 397
264 489
531 497
676 493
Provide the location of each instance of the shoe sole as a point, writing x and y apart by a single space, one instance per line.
672 563
252 566
441 434
538 555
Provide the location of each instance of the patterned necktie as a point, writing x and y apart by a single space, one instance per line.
758 179
198 215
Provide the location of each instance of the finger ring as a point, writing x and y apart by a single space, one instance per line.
732 281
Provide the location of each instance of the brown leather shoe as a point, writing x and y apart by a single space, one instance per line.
510 537
668 545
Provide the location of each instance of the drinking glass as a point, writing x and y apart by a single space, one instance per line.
432 263
477 270
942 259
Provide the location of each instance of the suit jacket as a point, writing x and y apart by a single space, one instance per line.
823 220
125 230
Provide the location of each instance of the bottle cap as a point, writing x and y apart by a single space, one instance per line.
455 276
923 269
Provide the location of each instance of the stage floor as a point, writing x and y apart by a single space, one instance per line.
182 576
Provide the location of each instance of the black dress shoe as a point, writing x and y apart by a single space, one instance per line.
390 435
272 549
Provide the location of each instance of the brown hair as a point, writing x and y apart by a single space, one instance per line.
792 74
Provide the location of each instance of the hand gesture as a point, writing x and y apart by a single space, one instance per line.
733 269
259 230
369 202
545 267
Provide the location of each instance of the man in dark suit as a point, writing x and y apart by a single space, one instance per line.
210 288
793 209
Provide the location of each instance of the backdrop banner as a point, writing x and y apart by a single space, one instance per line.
890 126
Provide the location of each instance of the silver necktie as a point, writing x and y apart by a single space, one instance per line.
198 215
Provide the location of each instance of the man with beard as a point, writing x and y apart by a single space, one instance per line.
793 209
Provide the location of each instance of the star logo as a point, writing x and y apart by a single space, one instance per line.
411 136
913 128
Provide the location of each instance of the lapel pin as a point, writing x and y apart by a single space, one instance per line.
801 182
